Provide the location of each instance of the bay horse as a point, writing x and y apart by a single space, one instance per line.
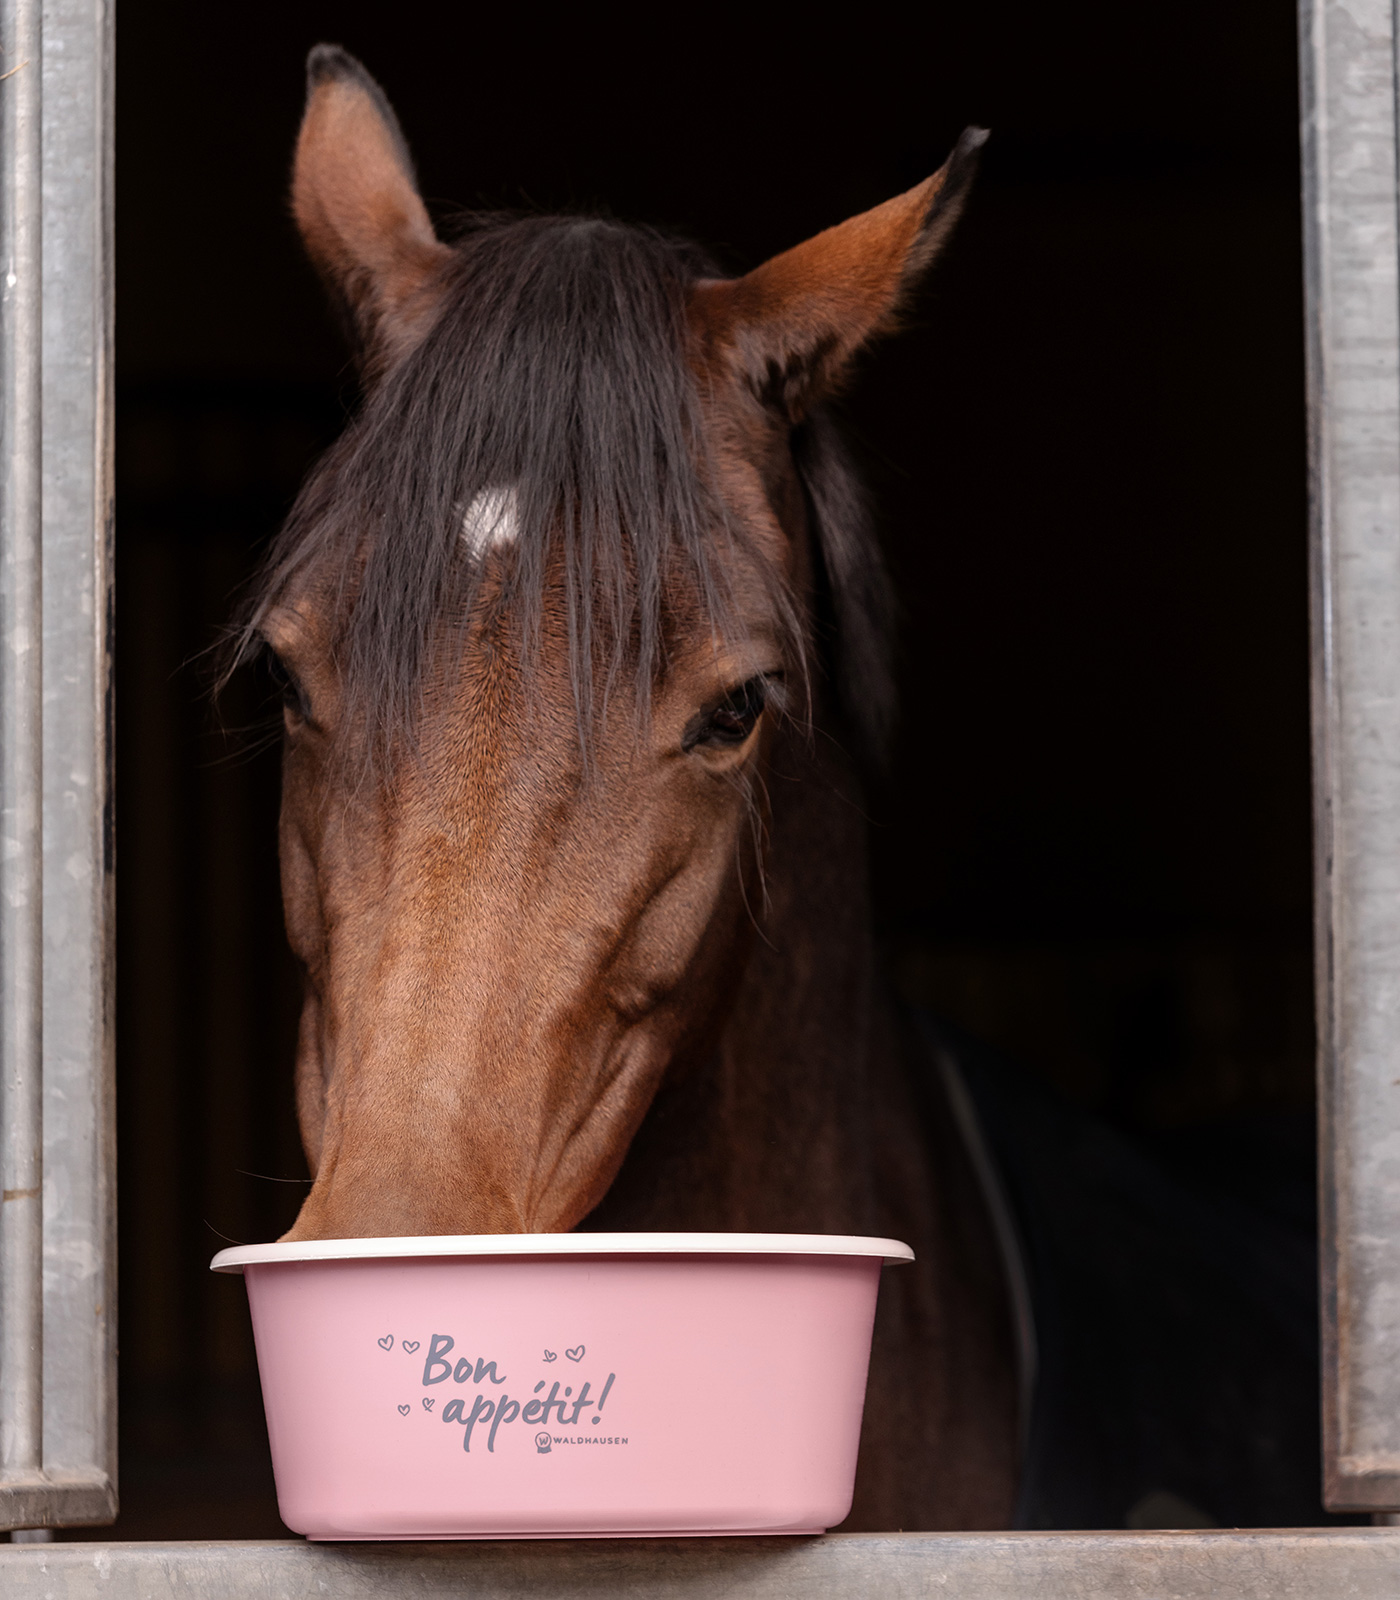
580 629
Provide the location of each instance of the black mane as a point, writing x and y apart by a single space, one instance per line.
556 367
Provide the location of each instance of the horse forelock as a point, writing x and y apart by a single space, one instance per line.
548 431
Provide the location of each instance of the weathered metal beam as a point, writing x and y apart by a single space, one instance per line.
79 1120
1292 1564
57 1260
1353 300
21 728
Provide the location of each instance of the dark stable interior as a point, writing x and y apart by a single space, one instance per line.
1093 857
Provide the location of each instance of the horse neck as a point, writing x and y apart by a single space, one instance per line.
775 1127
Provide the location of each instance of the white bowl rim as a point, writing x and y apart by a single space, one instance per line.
468 1245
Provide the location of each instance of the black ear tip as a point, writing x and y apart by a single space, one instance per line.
962 163
331 63
957 172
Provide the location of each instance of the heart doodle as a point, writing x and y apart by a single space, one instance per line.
408 1344
387 1342
428 1403
403 1411
575 1354
549 1355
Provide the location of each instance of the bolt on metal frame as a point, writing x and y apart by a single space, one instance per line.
57 1156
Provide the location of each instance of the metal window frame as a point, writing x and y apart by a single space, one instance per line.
57 1148
57 1257
1352 241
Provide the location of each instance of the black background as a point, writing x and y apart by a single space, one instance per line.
1089 458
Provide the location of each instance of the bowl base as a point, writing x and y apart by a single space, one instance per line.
579 1533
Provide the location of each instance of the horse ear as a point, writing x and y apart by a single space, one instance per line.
358 208
791 327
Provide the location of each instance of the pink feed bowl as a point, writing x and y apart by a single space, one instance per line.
541 1385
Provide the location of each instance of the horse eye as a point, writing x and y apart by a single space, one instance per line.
734 719
288 687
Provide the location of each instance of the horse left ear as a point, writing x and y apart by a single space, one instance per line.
791 327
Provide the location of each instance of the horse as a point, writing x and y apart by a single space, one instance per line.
581 630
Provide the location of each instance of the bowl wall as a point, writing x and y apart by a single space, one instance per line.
461 1398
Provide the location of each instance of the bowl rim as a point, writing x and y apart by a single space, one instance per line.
466 1246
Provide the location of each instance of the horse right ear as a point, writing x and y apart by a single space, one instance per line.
359 211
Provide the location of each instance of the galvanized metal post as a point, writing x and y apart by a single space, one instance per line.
21 736
80 1266
57 1299
1353 298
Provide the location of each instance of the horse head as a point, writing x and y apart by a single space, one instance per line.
541 616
